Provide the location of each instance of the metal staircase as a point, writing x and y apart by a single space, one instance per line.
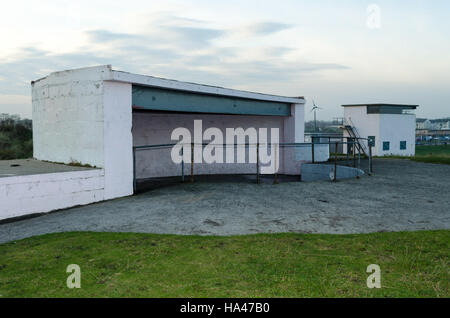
353 133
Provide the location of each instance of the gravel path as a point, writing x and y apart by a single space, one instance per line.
401 196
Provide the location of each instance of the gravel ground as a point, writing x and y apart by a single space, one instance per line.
402 195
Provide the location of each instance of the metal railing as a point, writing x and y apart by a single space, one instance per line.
354 152
351 129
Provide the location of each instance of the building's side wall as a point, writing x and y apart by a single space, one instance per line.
397 128
366 125
68 116
118 140
153 128
23 195
294 132
81 117
385 127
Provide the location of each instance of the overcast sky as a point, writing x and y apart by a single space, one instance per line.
335 52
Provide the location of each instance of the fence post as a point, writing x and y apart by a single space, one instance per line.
182 163
370 160
359 163
257 163
312 148
275 180
335 162
134 169
300 174
354 152
346 147
192 162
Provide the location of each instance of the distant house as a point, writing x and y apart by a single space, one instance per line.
440 124
423 123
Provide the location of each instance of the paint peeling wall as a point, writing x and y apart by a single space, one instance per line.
22 195
68 116
81 116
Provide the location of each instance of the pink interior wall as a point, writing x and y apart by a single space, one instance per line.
156 128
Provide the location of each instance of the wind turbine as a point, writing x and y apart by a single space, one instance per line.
314 109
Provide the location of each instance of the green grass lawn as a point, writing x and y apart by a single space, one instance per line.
428 154
433 154
413 264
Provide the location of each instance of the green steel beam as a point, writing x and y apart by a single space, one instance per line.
150 98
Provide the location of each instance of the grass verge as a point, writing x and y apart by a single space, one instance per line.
413 264
428 154
433 154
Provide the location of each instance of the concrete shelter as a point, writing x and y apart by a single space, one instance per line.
94 116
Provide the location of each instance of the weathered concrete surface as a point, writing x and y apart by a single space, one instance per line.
325 172
22 167
402 195
33 186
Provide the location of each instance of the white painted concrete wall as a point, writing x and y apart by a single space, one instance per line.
22 195
321 153
385 127
80 116
118 140
395 128
155 128
294 132
312 172
68 116
366 125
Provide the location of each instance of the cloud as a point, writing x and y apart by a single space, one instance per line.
186 51
192 36
224 66
266 28
31 63
159 35
102 36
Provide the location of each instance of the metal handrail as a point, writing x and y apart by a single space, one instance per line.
350 141
357 135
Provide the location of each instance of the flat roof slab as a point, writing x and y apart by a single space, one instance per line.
22 167
106 73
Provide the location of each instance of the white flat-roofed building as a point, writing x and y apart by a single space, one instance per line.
390 126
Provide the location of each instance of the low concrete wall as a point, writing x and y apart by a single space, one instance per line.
39 193
314 172
321 153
